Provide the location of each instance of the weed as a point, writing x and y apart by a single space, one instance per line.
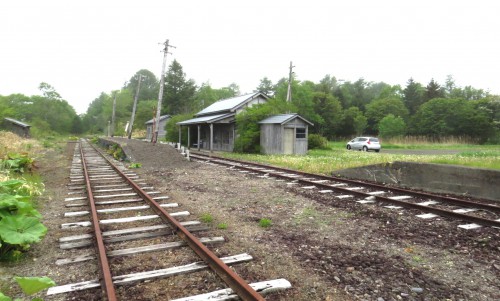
417 259
222 226
265 222
18 162
207 218
135 165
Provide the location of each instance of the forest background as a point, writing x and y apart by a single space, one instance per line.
339 109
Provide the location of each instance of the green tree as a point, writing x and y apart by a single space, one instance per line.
442 117
354 94
378 109
330 111
328 84
353 123
413 96
149 85
178 92
433 90
391 126
266 86
48 91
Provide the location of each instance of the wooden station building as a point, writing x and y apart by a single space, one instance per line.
214 128
215 125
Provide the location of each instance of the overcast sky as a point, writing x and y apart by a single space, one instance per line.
83 48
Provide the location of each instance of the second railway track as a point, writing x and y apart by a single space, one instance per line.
129 218
473 214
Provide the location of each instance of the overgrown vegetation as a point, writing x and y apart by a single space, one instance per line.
326 161
116 151
30 286
20 224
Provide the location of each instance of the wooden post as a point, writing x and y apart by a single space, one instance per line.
211 137
198 137
189 136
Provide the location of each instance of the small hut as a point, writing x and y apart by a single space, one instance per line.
17 127
161 132
284 134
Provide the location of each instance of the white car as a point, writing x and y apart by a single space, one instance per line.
364 144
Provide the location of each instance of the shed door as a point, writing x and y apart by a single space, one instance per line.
288 143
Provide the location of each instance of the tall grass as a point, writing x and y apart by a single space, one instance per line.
337 158
12 143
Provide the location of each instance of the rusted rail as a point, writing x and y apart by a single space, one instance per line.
450 200
106 280
438 211
233 280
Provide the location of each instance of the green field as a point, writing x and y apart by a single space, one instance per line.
337 157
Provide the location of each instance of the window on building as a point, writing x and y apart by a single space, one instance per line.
300 133
225 137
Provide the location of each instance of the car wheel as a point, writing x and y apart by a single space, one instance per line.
349 147
377 150
365 149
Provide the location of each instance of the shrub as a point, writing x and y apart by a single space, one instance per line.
317 141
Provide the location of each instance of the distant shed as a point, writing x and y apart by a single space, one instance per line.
17 127
161 132
284 134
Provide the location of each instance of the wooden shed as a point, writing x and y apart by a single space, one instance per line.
17 127
284 134
213 128
161 132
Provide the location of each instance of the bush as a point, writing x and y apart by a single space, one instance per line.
317 141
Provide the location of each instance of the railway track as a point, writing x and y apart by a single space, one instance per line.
121 216
474 214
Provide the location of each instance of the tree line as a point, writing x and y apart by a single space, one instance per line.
47 114
338 109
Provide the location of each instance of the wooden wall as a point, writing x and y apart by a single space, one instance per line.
272 137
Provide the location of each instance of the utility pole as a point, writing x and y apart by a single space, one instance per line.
289 92
113 117
139 78
160 93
